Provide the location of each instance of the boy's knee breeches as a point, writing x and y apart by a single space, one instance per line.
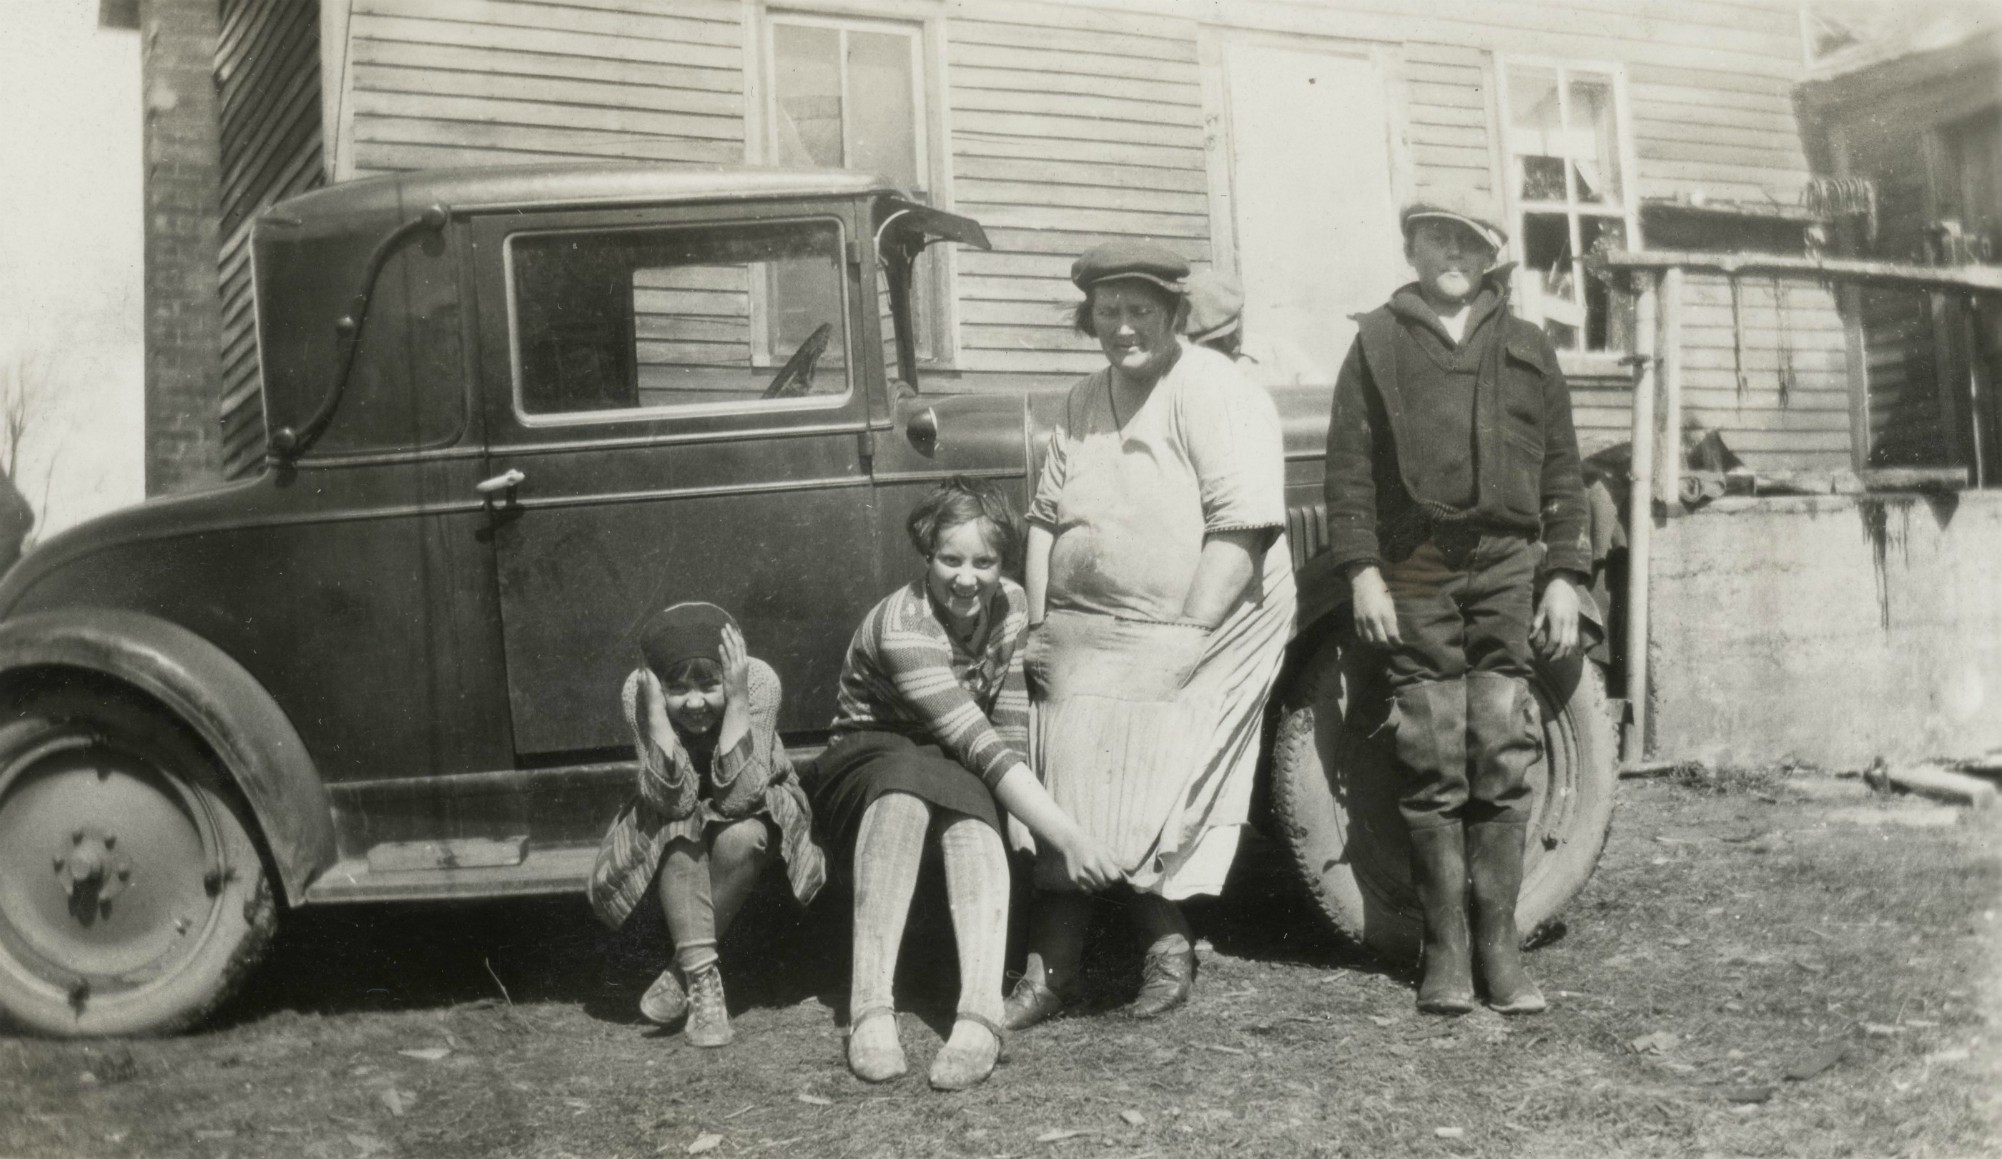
1465 721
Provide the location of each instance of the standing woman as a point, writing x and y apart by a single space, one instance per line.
1161 590
930 732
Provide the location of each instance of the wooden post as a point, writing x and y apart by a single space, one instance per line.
1856 357
1640 521
1668 432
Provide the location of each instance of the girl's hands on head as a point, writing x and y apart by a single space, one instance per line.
736 666
653 711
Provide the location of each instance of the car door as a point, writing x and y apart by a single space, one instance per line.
676 411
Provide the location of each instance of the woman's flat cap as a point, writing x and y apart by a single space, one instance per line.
1149 261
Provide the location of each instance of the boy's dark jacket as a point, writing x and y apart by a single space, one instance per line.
1525 450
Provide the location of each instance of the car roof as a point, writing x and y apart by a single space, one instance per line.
553 186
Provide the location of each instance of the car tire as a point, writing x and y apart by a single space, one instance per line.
133 899
1335 804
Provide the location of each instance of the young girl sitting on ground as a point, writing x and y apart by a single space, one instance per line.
715 787
928 739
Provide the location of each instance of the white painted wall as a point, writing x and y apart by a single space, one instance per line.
72 294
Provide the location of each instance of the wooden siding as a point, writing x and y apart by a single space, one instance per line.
1065 134
268 99
443 83
1067 124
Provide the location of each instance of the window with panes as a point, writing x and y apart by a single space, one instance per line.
852 94
1570 193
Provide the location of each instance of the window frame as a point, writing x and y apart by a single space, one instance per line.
1626 210
510 305
923 23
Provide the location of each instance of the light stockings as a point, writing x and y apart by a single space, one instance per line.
889 848
703 886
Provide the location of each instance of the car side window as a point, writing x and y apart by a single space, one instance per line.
699 316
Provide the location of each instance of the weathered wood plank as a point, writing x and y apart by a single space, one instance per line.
555 42
1182 136
628 20
715 82
1133 39
565 118
1104 108
480 143
1159 91
504 84
974 143
1120 221
969 191
1094 173
1045 58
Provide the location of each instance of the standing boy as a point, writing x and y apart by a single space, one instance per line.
1450 455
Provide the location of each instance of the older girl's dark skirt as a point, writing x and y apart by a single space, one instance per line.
861 766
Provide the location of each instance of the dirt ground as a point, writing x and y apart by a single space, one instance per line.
1775 965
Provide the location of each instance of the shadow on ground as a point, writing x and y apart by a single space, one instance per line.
409 956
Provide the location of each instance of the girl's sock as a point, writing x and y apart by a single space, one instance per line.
976 882
888 848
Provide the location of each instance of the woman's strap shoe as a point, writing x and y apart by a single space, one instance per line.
1166 979
1028 1003
956 1069
873 1061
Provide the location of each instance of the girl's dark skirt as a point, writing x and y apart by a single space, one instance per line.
859 767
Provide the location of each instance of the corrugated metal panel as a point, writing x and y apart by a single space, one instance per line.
268 83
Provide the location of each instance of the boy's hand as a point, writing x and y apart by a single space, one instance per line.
1555 629
736 666
1371 607
653 710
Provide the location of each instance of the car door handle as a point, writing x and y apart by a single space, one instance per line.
507 480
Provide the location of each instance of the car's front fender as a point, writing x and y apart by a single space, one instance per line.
213 695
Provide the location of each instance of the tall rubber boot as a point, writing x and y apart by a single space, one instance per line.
1494 854
1431 755
1439 872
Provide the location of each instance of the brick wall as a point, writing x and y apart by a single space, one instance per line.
183 307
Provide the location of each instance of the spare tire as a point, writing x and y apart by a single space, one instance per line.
1335 803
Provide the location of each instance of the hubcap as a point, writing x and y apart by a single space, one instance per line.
104 868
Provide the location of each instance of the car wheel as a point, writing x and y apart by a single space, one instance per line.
132 898
1335 803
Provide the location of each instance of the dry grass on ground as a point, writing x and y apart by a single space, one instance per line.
1733 932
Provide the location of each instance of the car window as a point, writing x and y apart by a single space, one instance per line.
722 316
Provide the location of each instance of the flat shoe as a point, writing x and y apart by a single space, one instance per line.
955 1070
1028 1003
878 1064
1167 977
666 1000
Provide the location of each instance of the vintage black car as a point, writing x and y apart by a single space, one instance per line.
509 413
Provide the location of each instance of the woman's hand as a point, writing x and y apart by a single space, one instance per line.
736 666
1555 629
1374 612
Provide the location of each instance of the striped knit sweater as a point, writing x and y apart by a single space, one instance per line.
904 674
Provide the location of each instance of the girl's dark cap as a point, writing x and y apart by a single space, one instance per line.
686 631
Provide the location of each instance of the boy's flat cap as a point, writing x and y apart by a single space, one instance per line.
1216 303
1147 260
1477 211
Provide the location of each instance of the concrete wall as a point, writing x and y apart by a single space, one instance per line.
1828 630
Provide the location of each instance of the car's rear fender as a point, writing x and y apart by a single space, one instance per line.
211 693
